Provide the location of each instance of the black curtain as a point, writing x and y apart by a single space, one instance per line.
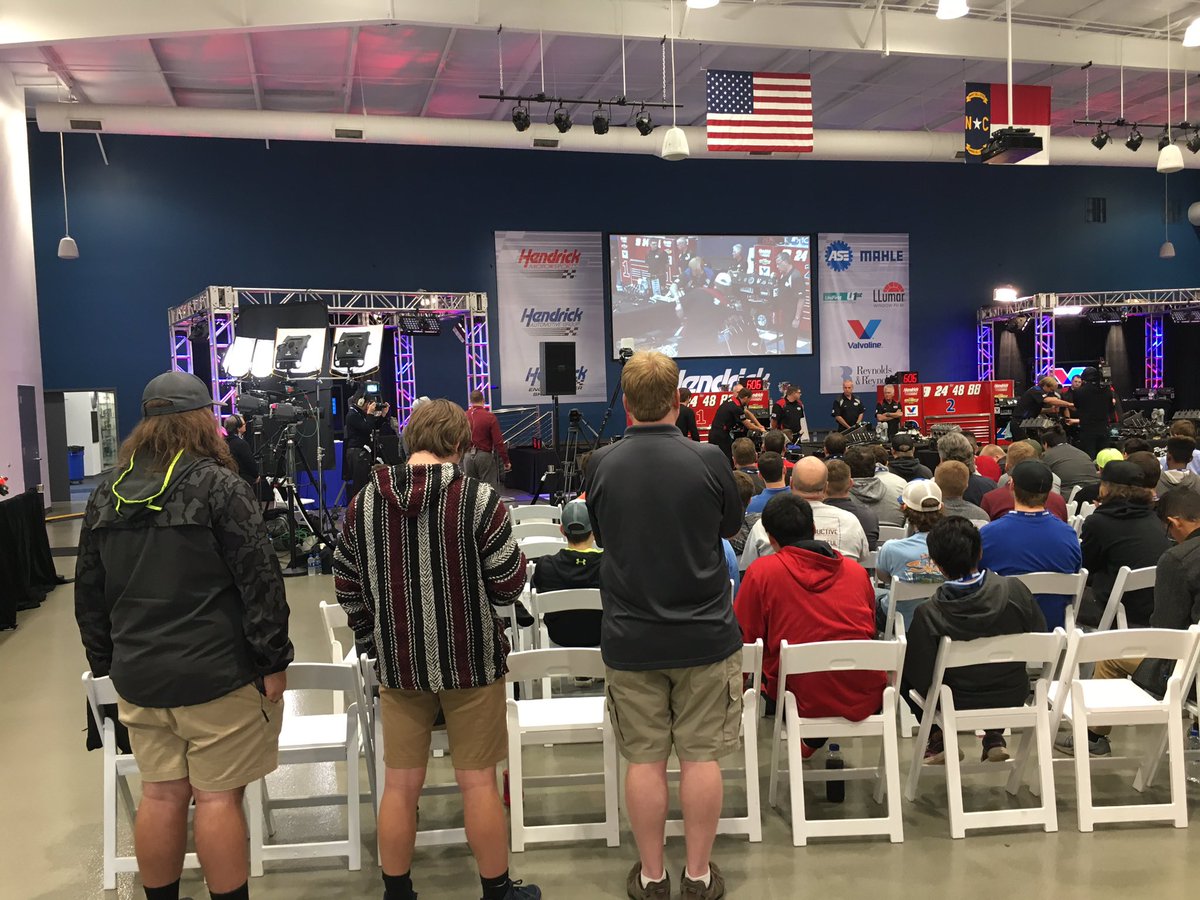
1009 364
1116 353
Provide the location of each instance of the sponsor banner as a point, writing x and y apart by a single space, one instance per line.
864 293
550 287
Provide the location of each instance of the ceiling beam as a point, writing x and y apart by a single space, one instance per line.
162 75
438 71
351 63
55 64
249 42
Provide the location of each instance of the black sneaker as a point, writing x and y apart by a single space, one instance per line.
655 890
520 891
524 619
995 749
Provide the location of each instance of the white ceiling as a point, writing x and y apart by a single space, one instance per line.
427 69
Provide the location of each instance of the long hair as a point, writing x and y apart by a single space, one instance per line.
158 438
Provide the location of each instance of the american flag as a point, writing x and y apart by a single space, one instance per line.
759 111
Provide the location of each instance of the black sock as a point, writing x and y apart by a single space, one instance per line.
495 888
1093 736
166 892
242 893
398 887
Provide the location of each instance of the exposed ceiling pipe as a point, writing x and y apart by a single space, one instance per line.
865 146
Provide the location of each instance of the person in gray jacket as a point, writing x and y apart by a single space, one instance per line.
179 598
877 491
1178 471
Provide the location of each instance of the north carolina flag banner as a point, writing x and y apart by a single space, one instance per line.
987 111
764 112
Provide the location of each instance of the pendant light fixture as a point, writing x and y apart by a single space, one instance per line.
1170 157
702 4
952 9
1191 37
1167 250
67 248
675 142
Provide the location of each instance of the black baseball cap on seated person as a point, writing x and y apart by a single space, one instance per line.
903 443
182 391
1033 477
1123 472
575 519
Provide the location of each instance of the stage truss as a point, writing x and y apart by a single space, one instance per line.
214 311
1180 304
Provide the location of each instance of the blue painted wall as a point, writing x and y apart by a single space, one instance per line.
170 216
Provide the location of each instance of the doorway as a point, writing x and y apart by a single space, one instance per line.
31 447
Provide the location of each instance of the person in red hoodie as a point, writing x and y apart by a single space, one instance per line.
806 592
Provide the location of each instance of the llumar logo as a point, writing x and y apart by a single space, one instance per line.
552 259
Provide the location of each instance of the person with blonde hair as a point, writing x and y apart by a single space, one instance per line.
1000 502
952 477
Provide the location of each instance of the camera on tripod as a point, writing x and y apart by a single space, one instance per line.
283 412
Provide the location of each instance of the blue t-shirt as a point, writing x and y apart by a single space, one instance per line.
759 501
1021 542
906 559
731 563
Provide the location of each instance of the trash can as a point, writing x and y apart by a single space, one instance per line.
75 464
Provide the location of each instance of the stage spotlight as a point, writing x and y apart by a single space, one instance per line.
1135 139
1193 143
431 325
520 117
562 120
600 121
1100 139
1164 140
644 123
198 331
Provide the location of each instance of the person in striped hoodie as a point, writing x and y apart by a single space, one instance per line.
425 553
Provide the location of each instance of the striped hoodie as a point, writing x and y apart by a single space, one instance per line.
424 554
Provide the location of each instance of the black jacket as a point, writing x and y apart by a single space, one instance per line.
1000 605
977 486
687 423
1122 534
570 570
909 468
244 456
1177 586
178 594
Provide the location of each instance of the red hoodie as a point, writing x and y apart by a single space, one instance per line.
803 595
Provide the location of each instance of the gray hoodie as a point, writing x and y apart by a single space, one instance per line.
881 494
1173 478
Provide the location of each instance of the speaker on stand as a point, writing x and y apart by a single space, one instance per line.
557 374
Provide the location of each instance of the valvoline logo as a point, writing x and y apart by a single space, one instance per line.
551 259
838 256
864 332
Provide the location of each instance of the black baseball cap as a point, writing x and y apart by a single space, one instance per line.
1123 472
182 391
1033 477
903 442
575 519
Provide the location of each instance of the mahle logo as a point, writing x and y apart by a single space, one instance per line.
842 296
864 333
838 256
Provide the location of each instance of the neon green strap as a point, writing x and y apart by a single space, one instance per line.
155 495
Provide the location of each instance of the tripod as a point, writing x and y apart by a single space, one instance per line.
572 476
294 460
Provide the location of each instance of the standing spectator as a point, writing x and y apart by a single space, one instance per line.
888 411
179 598
1070 464
836 527
972 603
907 559
952 478
687 417
1000 501
904 459
745 489
1033 402
959 447
837 493
770 468
574 567
1094 404
746 460
775 441
487 452
835 445
877 491
990 462
669 637
1178 471
788 414
1031 539
728 419
848 410
806 592
424 554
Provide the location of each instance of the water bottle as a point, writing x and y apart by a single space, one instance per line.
835 790
313 565
1193 738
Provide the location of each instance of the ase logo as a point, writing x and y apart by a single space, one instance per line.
892 292
838 256
864 333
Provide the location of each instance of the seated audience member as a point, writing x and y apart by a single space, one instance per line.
835 445
687 416
907 559
1090 493
973 603
999 502
1184 428
957 446
575 566
904 459
882 458
1178 463
877 491
1035 445
835 527
990 462
746 460
1147 462
837 493
1176 597
1136 445
1031 539
807 592
1123 531
770 467
953 477
746 492
1070 464
776 441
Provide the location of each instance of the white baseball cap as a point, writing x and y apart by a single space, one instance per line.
922 495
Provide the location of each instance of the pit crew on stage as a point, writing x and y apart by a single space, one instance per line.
888 411
847 409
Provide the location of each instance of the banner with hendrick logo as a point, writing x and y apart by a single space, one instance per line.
863 288
550 287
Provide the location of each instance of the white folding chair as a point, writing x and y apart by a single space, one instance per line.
1086 509
1033 651
537 547
891 533
1127 581
314 739
840 656
560 720
1071 497
1072 585
751 823
534 513
537 529
575 600
117 769
335 617
870 561
1118 701
1076 522
899 592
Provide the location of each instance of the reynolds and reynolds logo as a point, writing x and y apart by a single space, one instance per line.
841 296
838 256
561 321
864 332
548 259
892 292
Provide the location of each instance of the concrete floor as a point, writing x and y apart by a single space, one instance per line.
50 828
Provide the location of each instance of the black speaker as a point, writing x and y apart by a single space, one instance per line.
558 368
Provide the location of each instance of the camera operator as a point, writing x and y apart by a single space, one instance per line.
1094 404
239 447
365 418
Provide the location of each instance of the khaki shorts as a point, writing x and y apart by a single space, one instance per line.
476 724
1115 668
218 746
696 710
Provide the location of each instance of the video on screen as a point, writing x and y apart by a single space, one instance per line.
712 295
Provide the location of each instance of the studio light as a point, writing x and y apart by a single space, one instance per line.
431 325
1134 140
1068 310
675 144
1166 251
299 352
952 9
600 121
1193 143
239 357
1100 139
562 120
1191 37
1170 159
643 123
1005 294
702 4
1163 140
520 117
352 349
